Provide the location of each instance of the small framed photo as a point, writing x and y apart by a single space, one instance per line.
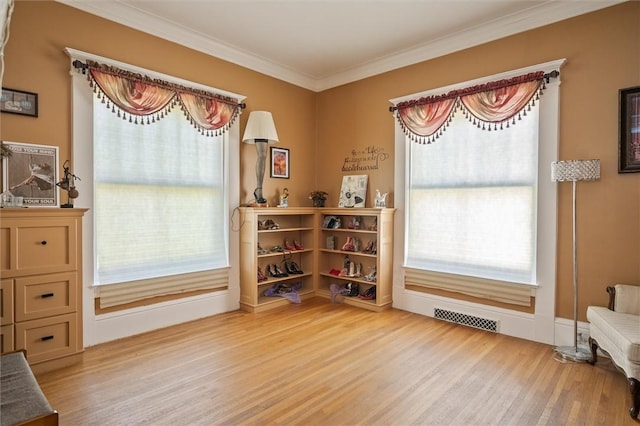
629 145
31 172
354 191
19 102
280 163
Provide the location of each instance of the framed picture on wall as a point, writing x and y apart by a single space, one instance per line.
31 172
19 102
629 145
279 163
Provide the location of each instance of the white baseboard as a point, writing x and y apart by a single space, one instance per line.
116 325
557 332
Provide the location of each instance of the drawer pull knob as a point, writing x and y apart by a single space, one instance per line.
45 338
43 242
44 296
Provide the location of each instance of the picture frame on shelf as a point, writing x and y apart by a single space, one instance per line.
353 192
31 172
629 129
279 163
19 102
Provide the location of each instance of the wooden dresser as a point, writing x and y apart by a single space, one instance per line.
41 277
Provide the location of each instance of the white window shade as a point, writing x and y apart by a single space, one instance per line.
159 198
472 202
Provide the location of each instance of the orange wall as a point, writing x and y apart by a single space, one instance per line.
322 130
35 62
603 55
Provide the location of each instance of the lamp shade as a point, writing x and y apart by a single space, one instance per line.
575 170
260 127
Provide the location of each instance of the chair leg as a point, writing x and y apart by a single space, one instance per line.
634 387
594 351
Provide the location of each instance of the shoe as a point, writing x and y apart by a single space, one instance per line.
270 224
288 245
356 244
369 294
348 246
276 249
371 276
297 245
334 271
357 270
275 271
261 250
261 276
352 289
292 267
371 248
280 273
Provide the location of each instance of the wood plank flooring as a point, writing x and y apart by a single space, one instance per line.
331 364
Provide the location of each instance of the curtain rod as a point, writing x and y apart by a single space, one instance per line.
547 77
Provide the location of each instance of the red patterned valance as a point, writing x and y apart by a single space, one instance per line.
142 100
489 106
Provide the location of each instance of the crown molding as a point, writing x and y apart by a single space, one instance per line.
544 14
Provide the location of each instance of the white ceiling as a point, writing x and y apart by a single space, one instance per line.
320 44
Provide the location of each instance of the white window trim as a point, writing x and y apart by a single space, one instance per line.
539 326
106 327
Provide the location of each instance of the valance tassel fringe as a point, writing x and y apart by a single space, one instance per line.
134 97
477 104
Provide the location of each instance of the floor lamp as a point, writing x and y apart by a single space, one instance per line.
574 171
260 131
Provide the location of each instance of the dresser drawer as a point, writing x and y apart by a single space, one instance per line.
47 338
45 295
6 338
6 302
38 246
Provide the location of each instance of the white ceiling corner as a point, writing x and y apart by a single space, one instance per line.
320 44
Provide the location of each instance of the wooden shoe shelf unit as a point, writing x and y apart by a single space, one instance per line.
263 230
259 242
358 229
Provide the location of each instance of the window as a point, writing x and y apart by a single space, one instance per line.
159 198
158 194
478 207
472 201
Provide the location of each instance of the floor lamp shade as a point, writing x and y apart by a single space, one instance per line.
260 131
574 171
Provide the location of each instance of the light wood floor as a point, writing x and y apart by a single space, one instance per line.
324 364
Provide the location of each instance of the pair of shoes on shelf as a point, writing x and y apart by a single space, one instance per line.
351 289
276 249
350 245
371 247
292 247
261 250
292 267
371 276
369 294
354 223
261 276
355 270
267 224
275 271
